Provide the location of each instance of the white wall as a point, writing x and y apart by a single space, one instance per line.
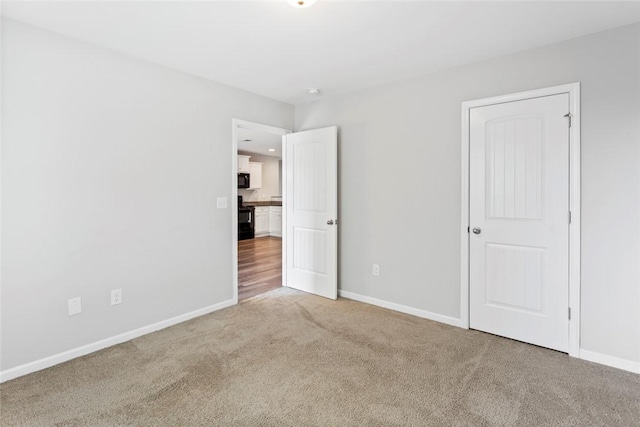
111 167
400 180
270 179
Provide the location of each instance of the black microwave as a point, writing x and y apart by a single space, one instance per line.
243 180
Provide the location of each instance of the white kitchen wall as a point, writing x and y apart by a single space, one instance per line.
399 152
111 167
270 179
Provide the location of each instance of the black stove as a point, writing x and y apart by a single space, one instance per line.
246 221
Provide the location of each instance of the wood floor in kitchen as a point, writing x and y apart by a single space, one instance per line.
259 266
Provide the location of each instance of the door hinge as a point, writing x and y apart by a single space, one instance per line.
569 217
468 229
568 115
569 313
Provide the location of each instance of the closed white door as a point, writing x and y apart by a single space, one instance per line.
311 208
519 220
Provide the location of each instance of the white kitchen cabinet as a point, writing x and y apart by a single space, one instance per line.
243 163
255 175
275 221
262 221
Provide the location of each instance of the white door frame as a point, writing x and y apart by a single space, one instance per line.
243 124
573 89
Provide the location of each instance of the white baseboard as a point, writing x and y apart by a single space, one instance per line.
591 356
615 362
47 362
27 368
402 308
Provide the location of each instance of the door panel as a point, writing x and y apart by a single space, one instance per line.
519 201
514 158
514 277
309 177
312 248
311 201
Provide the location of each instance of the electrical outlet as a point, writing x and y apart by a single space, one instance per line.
116 296
376 270
75 306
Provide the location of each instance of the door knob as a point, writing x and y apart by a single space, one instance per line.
477 231
330 222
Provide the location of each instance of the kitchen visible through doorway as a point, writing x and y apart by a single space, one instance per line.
259 213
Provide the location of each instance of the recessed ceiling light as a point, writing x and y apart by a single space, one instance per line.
247 140
313 91
272 149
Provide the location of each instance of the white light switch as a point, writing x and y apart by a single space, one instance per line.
222 203
75 306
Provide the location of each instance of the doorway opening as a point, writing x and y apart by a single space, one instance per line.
257 198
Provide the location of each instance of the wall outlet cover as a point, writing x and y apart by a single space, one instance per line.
376 270
116 296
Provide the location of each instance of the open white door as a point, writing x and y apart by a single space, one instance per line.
311 211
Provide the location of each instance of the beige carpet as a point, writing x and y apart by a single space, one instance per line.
290 359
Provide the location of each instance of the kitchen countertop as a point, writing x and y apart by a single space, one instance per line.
263 203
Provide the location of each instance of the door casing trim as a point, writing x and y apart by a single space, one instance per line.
573 89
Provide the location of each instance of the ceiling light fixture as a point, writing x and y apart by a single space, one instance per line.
313 91
301 4
272 149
